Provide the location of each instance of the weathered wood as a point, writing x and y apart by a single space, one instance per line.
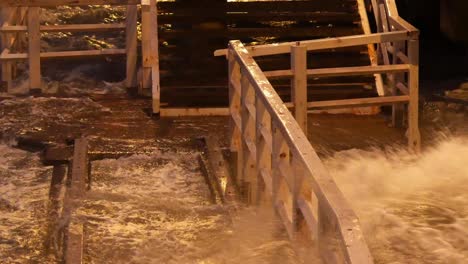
235 124
34 50
64 54
35 3
322 44
249 155
67 28
299 85
73 196
414 137
178 112
385 100
263 147
343 71
331 199
131 45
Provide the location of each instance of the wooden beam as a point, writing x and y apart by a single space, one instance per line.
384 100
299 85
64 54
347 226
34 50
131 45
179 112
321 44
414 137
344 71
45 3
67 28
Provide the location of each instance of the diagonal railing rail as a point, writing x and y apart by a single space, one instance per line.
275 161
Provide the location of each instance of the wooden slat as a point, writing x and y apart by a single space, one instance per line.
131 45
343 71
323 44
34 48
179 112
67 28
11 3
331 199
278 6
299 85
65 54
385 100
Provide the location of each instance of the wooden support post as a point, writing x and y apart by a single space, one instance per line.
398 110
150 52
155 77
7 69
414 137
263 146
299 85
280 155
131 45
34 39
249 155
235 123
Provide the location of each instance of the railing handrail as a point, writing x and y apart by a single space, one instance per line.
330 197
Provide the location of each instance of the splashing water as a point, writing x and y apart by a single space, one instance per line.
24 186
412 209
155 209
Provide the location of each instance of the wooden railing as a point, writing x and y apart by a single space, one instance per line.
399 49
15 25
276 162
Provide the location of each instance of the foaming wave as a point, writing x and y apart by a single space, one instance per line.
414 209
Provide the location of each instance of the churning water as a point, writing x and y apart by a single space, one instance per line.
413 209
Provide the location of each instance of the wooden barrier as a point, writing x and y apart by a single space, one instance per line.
13 26
275 160
398 46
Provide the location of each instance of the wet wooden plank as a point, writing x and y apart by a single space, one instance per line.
10 3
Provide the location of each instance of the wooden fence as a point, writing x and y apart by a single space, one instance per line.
399 46
22 18
276 161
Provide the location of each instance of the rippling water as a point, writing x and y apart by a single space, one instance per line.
413 209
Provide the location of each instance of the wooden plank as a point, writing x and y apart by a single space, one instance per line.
343 71
179 112
65 54
154 42
67 28
249 136
299 85
414 137
146 32
331 199
131 45
34 48
35 3
235 123
218 165
264 138
274 6
371 48
323 44
73 196
384 100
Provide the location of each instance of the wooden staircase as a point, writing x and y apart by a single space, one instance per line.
189 32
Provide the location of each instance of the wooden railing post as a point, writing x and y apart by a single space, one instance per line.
248 114
150 52
235 123
299 84
5 40
414 137
264 138
131 40
34 39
